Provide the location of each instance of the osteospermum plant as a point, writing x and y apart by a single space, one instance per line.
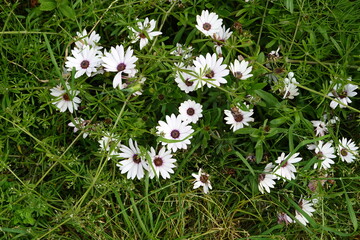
167 120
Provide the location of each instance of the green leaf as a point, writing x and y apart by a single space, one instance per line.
267 97
258 85
190 36
67 11
179 35
289 4
259 152
246 130
278 121
47 5
350 209
261 58
337 46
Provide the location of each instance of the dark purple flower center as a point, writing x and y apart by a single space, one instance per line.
66 97
136 159
284 163
238 117
320 155
238 74
142 35
158 161
190 111
175 134
84 64
261 177
344 152
204 178
121 67
207 26
188 83
210 74
343 94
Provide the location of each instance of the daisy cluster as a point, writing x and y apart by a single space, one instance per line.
198 73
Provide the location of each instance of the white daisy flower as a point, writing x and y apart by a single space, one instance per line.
79 124
342 95
145 31
220 38
241 70
133 165
186 82
238 118
210 70
92 40
190 111
320 128
290 90
307 207
185 53
117 60
208 23
284 218
109 142
202 180
266 179
162 162
347 150
65 99
175 129
325 153
85 61
285 167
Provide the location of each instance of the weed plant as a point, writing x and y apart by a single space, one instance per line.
56 184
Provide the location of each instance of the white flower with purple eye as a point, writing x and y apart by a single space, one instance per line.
285 167
79 124
109 143
342 94
208 23
65 99
210 71
134 164
220 38
241 70
347 150
290 90
190 111
85 61
266 179
202 180
186 81
320 127
238 118
306 206
175 129
325 153
145 32
83 40
163 163
284 218
117 60
184 52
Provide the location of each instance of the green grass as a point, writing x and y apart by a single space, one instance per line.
56 185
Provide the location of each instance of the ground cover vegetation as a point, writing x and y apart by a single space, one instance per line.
192 119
